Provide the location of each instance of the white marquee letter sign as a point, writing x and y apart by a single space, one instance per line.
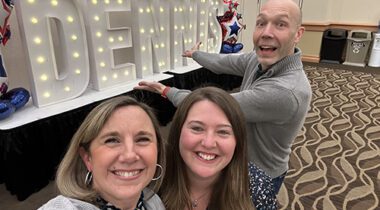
209 32
108 24
54 38
184 29
119 40
151 36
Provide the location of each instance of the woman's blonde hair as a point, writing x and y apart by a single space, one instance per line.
72 171
232 189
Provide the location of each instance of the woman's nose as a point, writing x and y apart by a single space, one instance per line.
209 141
128 154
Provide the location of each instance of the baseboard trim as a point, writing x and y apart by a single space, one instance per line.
310 58
322 26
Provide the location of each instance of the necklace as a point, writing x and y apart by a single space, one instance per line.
195 202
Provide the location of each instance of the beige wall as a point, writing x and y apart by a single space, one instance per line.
248 8
310 44
14 57
353 11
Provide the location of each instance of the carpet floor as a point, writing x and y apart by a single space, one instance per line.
335 159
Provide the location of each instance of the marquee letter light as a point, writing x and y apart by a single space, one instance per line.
54 39
109 25
209 31
184 30
59 60
151 36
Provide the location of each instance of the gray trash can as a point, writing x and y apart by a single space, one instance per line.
374 60
358 42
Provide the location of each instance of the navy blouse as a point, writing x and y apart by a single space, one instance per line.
261 189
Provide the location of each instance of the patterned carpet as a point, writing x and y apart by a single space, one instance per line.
335 160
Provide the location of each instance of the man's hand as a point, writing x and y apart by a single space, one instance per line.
154 87
189 53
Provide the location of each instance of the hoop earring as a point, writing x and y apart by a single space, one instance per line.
88 178
157 178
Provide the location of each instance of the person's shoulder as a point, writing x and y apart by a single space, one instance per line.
64 203
152 200
155 203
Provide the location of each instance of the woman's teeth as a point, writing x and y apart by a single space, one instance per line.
127 173
206 156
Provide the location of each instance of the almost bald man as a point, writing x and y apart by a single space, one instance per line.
275 93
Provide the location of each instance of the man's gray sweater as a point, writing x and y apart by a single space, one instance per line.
275 104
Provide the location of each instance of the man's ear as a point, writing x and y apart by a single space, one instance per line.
86 158
299 34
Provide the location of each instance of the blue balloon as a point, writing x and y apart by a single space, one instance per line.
6 109
18 97
237 47
226 48
231 48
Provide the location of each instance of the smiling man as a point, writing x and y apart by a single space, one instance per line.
275 93
278 30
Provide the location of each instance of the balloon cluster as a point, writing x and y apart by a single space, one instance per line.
231 23
11 100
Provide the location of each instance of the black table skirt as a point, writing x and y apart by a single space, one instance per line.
29 154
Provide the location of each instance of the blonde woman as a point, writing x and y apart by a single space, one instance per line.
112 159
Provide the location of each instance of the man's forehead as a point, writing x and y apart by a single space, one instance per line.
276 15
287 7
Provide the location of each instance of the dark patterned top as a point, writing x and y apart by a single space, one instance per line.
104 205
261 189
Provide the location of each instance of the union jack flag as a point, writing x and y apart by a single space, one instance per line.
5 12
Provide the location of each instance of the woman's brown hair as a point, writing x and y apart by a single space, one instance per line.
232 188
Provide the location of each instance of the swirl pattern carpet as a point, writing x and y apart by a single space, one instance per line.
335 159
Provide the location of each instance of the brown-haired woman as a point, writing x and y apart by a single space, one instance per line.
207 166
